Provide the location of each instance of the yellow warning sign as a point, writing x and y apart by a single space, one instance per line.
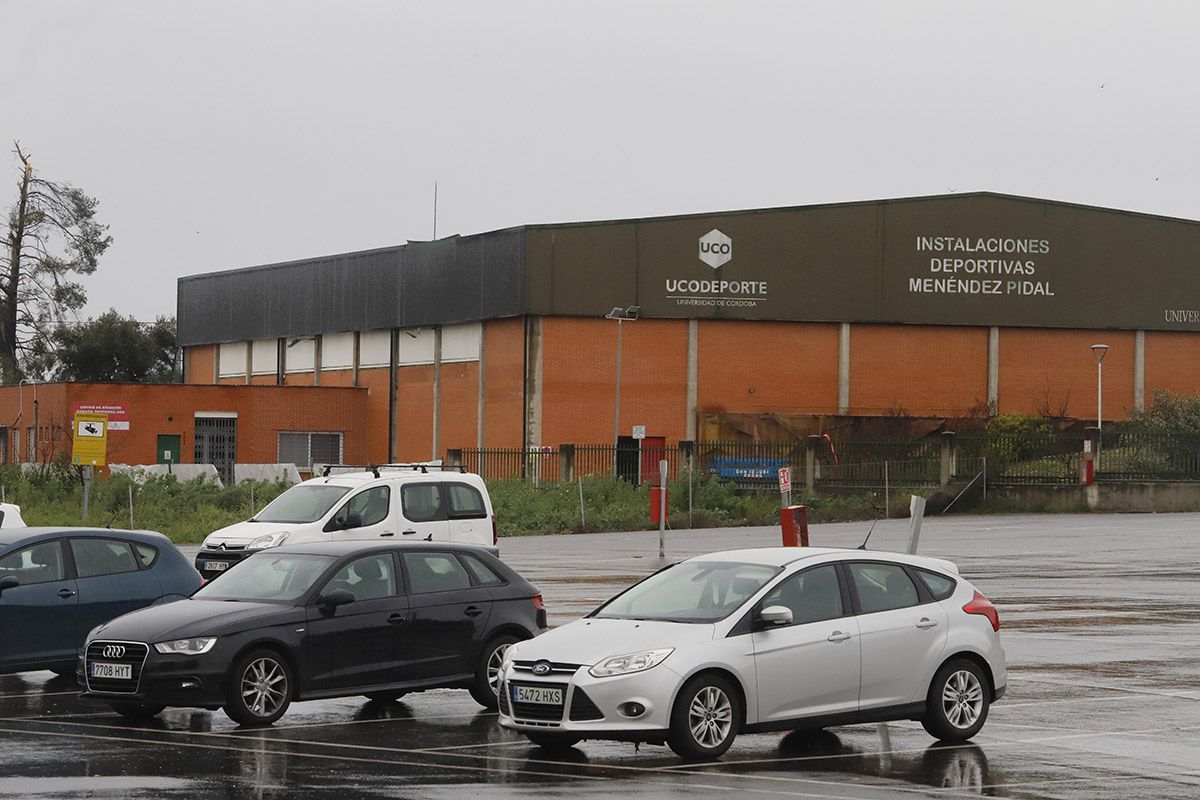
90 440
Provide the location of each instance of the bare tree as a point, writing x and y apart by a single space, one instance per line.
52 236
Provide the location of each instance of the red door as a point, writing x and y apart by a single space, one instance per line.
654 449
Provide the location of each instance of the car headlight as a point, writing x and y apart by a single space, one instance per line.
187 647
269 540
630 662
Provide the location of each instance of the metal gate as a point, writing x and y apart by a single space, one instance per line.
216 444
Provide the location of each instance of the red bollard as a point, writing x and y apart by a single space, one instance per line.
793 521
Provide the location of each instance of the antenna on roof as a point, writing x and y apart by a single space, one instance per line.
863 546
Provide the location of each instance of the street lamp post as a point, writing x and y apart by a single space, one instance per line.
620 315
1099 351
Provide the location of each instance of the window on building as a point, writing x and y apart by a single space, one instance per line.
304 448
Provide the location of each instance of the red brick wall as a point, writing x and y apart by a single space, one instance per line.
460 401
376 382
198 362
917 370
504 379
758 367
1172 364
1053 371
414 409
337 377
170 409
579 375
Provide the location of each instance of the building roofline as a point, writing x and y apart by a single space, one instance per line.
354 254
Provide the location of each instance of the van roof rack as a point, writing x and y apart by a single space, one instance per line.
374 468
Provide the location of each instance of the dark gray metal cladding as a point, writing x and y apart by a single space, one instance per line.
459 279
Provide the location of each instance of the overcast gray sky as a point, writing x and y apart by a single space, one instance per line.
226 134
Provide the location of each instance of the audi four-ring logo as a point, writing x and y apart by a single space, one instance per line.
114 651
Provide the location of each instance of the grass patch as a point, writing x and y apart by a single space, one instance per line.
186 511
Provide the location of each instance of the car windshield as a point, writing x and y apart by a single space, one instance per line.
267 577
694 591
301 504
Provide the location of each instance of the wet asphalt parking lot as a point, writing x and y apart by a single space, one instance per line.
1100 618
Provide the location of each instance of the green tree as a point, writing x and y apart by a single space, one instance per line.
110 349
52 236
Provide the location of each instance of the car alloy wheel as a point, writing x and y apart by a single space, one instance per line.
487 675
957 705
705 719
260 689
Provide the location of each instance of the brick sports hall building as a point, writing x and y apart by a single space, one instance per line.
763 323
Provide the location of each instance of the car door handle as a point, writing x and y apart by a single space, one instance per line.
408 533
388 533
926 622
473 611
65 593
397 619
838 636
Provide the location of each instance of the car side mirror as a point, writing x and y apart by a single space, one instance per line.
337 597
776 615
9 582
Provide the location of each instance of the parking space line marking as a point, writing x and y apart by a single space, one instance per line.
26 695
1105 699
618 768
652 775
291 753
1184 694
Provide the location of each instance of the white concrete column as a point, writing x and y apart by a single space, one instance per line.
533 381
481 399
844 368
437 391
357 356
1139 371
993 389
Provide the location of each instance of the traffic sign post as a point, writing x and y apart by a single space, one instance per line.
89 440
785 485
639 431
89 449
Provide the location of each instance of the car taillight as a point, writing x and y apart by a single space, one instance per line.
982 606
537 602
495 533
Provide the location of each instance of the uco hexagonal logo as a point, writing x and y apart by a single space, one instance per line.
715 248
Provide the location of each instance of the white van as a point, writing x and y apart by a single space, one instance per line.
391 502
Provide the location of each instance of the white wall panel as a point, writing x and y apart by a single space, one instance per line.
375 349
416 346
265 356
461 342
233 359
337 351
301 357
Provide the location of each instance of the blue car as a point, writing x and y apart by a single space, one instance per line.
56 584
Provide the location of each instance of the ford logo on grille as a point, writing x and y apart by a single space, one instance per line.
114 651
541 668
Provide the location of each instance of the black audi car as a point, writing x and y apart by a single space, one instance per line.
318 620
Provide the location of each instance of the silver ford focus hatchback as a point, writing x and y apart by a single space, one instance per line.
747 641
